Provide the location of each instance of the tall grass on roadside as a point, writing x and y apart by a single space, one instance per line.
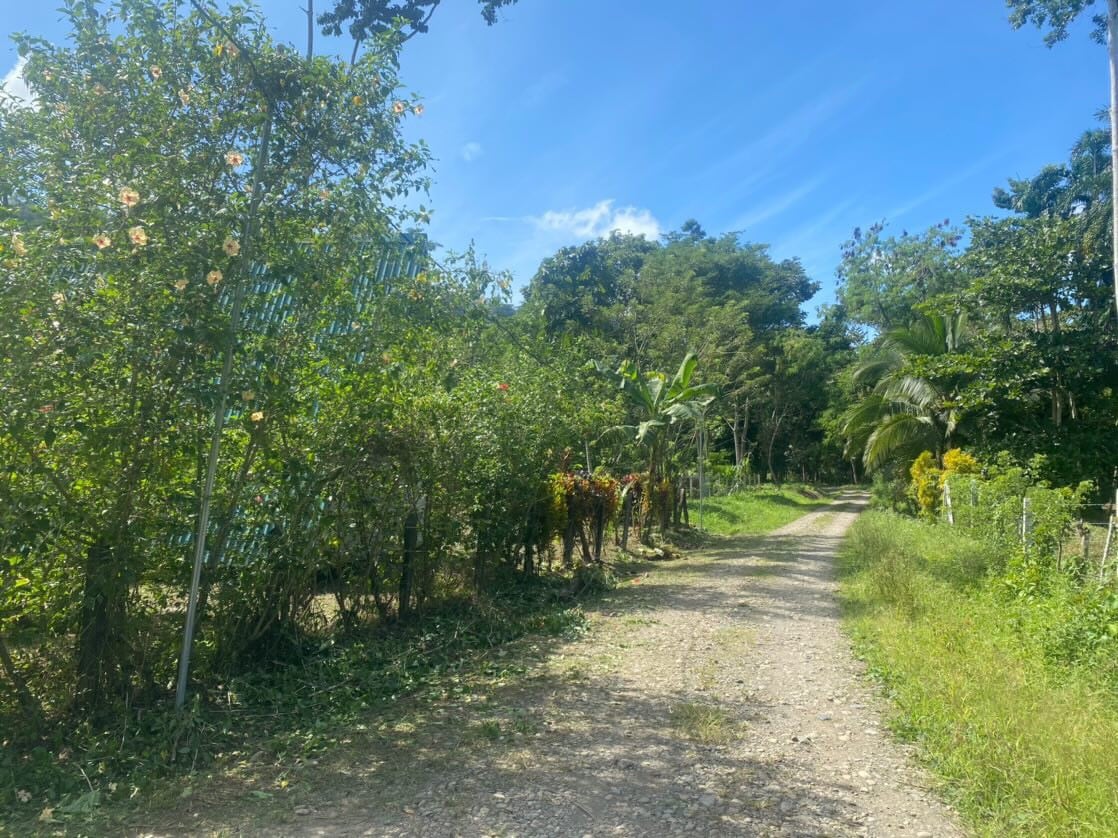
756 510
1023 741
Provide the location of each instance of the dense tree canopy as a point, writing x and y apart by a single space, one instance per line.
1039 370
730 303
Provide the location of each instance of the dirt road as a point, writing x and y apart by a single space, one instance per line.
714 696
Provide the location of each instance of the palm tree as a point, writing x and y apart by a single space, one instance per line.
905 413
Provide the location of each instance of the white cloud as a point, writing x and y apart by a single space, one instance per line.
583 223
636 222
15 85
601 219
471 151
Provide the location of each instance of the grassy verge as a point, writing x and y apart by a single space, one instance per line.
757 510
1025 744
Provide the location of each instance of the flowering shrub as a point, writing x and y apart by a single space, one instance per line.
166 252
958 461
926 483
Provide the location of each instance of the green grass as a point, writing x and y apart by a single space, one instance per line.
1024 744
704 723
756 510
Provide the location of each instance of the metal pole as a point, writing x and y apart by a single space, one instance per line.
702 430
1106 548
219 417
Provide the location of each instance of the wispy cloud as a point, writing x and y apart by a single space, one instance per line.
801 126
471 151
554 229
15 85
636 222
601 219
946 185
541 90
824 226
776 206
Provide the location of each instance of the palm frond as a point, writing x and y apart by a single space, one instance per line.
901 434
926 336
876 368
686 369
911 393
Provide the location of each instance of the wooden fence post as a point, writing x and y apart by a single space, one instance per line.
1109 538
1106 548
1084 544
947 504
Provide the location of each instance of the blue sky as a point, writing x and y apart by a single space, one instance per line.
791 122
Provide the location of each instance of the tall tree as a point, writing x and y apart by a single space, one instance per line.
372 19
136 215
1056 16
882 278
586 287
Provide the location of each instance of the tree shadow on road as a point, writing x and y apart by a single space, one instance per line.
571 746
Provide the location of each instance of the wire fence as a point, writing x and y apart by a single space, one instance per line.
1038 522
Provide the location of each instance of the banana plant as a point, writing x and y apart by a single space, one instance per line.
659 404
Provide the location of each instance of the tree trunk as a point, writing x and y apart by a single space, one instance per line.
651 497
407 570
479 571
380 602
599 531
737 440
587 555
31 709
772 444
101 623
626 519
569 538
739 430
1112 30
